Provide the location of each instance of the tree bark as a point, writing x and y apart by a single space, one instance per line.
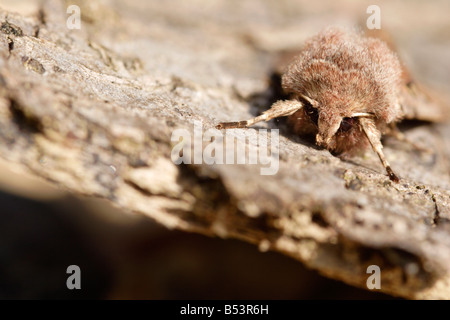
94 109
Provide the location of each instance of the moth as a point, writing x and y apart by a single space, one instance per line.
347 90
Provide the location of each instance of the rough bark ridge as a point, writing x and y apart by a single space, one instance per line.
93 110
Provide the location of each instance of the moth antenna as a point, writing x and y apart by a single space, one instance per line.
372 133
313 103
361 114
281 108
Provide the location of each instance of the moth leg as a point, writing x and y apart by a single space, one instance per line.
393 131
281 108
372 133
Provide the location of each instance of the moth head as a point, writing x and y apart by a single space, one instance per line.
333 121
325 118
331 117
328 125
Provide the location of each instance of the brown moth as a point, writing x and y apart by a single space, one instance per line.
347 90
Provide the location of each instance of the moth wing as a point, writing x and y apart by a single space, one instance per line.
419 103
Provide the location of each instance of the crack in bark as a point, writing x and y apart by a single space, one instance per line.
436 216
10 45
26 122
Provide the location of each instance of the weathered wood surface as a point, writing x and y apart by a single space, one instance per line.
93 110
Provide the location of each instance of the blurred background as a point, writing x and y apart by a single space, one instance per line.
44 229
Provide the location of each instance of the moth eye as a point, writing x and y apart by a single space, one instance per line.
346 124
311 112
